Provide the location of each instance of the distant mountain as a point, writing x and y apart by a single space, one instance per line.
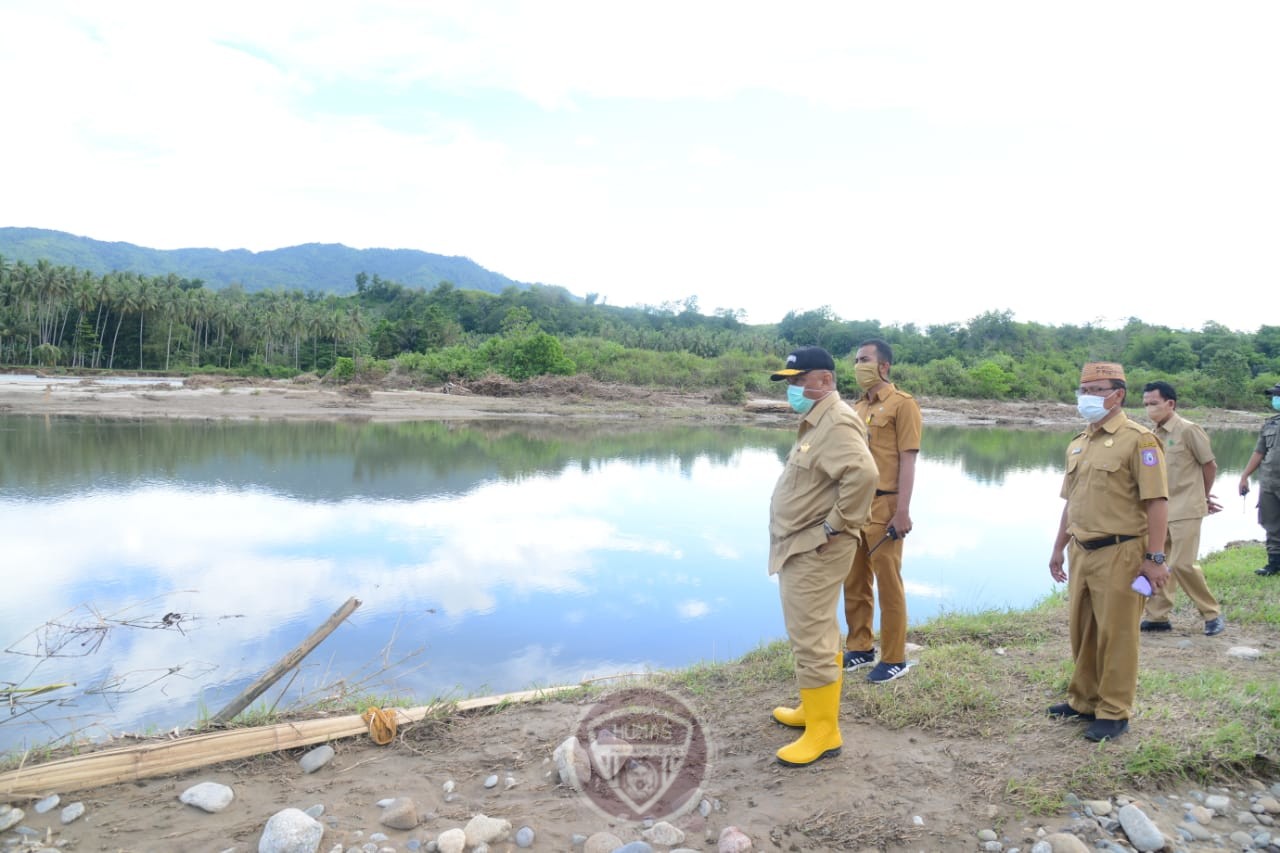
323 267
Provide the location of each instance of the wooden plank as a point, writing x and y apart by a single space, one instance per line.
288 662
146 760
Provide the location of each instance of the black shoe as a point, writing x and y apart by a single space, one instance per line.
1271 568
1214 626
1154 626
1100 730
1063 711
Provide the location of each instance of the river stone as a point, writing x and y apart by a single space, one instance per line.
291 831
1042 846
316 758
451 841
483 829
11 818
609 753
572 763
733 840
491 781
1243 653
1143 834
1201 814
1269 805
1064 842
1100 808
664 834
524 836
987 835
400 813
71 813
212 797
47 803
1242 840
602 842
1195 830
1218 803
635 847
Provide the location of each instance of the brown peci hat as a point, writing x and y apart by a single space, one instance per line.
1096 371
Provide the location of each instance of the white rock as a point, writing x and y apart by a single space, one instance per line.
609 753
572 763
1143 833
451 841
491 781
1064 842
212 797
47 803
71 813
483 829
1100 808
400 813
316 758
602 842
11 818
916 820
291 831
664 834
1243 653
733 840
1218 803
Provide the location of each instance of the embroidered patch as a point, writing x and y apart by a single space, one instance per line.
1149 457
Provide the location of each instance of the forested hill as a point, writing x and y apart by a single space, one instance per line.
321 267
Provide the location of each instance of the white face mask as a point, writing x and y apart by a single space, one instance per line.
1091 407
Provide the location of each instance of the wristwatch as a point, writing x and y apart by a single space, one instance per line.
1157 557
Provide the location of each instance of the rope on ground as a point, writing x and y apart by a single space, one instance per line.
382 725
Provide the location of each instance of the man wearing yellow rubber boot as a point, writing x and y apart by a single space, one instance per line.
820 504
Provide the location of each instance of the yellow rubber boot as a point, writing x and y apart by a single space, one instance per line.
794 717
821 736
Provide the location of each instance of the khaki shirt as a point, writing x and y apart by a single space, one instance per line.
830 476
1111 470
893 426
1186 452
1269 469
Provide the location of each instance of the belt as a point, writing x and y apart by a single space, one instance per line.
1102 542
881 493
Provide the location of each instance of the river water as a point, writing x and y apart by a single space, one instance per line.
156 568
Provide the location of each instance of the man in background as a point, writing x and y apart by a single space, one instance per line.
893 422
1188 458
1267 458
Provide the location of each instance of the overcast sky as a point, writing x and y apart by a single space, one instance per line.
920 162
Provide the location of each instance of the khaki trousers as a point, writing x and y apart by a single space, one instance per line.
809 585
1183 547
885 565
1104 617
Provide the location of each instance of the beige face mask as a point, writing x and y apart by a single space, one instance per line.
868 374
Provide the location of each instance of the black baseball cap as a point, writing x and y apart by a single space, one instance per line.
803 360
1273 391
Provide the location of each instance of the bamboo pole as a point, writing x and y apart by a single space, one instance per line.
286 663
142 761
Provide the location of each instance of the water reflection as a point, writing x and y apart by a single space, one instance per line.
492 556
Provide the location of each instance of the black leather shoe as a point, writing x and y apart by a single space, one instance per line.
1268 570
1155 626
1100 730
1063 711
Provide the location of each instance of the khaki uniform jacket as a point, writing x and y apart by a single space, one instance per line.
1110 472
894 424
1186 452
829 476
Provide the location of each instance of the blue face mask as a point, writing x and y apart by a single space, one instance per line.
1090 407
799 402
1275 403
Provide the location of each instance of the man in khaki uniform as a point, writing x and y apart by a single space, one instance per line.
1189 460
1115 521
893 422
819 505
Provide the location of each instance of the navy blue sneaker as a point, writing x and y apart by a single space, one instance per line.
1214 626
1100 730
857 660
885 672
